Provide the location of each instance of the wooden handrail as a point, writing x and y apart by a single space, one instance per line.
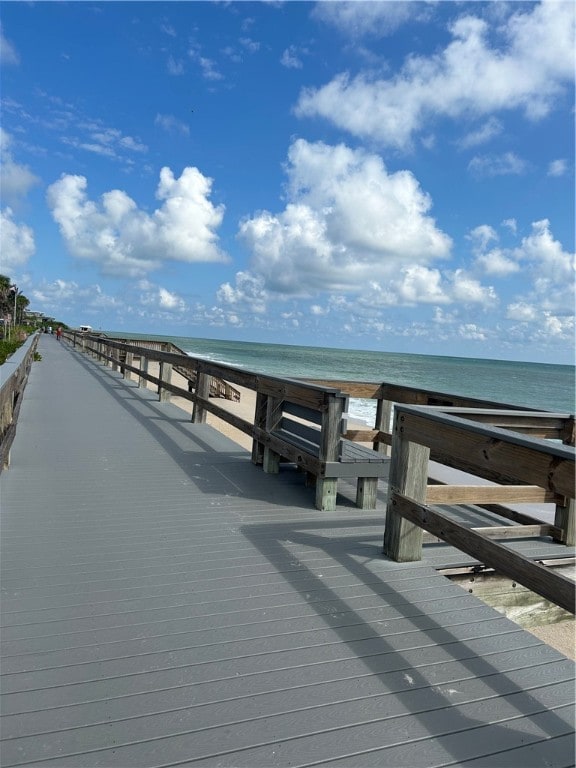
525 468
13 378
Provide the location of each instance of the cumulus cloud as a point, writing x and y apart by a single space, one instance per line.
125 240
157 297
417 284
528 71
15 180
494 260
546 309
347 221
16 241
67 296
552 267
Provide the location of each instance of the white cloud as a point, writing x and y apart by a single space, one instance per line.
15 180
507 164
472 331
252 46
16 241
208 66
8 53
348 221
522 311
487 131
175 66
290 58
249 293
481 236
528 71
421 285
467 290
359 19
125 240
546 310
552 267
497 262
155 297
557 168
172 125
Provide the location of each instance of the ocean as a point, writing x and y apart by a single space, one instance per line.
534 385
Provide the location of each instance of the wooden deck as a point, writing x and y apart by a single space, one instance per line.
167 603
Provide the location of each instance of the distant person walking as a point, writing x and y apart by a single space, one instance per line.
58 333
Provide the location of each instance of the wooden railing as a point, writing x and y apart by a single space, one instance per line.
520 468
526 455
13 378
387 395
218 387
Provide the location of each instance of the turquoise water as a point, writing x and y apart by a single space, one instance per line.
535 385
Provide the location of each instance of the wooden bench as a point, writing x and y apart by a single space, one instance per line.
310 435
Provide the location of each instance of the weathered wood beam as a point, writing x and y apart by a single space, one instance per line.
551 585
488 494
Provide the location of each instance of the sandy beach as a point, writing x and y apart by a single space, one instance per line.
561 635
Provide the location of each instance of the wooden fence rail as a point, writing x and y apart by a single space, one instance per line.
524 468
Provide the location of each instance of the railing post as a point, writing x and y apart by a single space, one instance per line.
165 377
114 354
408 476
565 518
271 459
143 370
129 361
565 515
259 423
327 487
382 423
203 392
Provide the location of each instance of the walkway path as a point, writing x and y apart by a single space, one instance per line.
167 603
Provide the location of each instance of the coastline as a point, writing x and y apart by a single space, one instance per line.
561 636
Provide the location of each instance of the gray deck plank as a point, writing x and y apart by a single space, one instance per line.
165 603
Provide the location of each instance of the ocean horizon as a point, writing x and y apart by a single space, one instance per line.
546 386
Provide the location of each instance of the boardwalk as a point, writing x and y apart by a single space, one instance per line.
167 603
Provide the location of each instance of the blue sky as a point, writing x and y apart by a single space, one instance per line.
377 175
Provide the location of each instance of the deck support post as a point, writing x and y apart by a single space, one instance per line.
408 476
202 391
165 377
366 492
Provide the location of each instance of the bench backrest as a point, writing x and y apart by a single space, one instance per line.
306 423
